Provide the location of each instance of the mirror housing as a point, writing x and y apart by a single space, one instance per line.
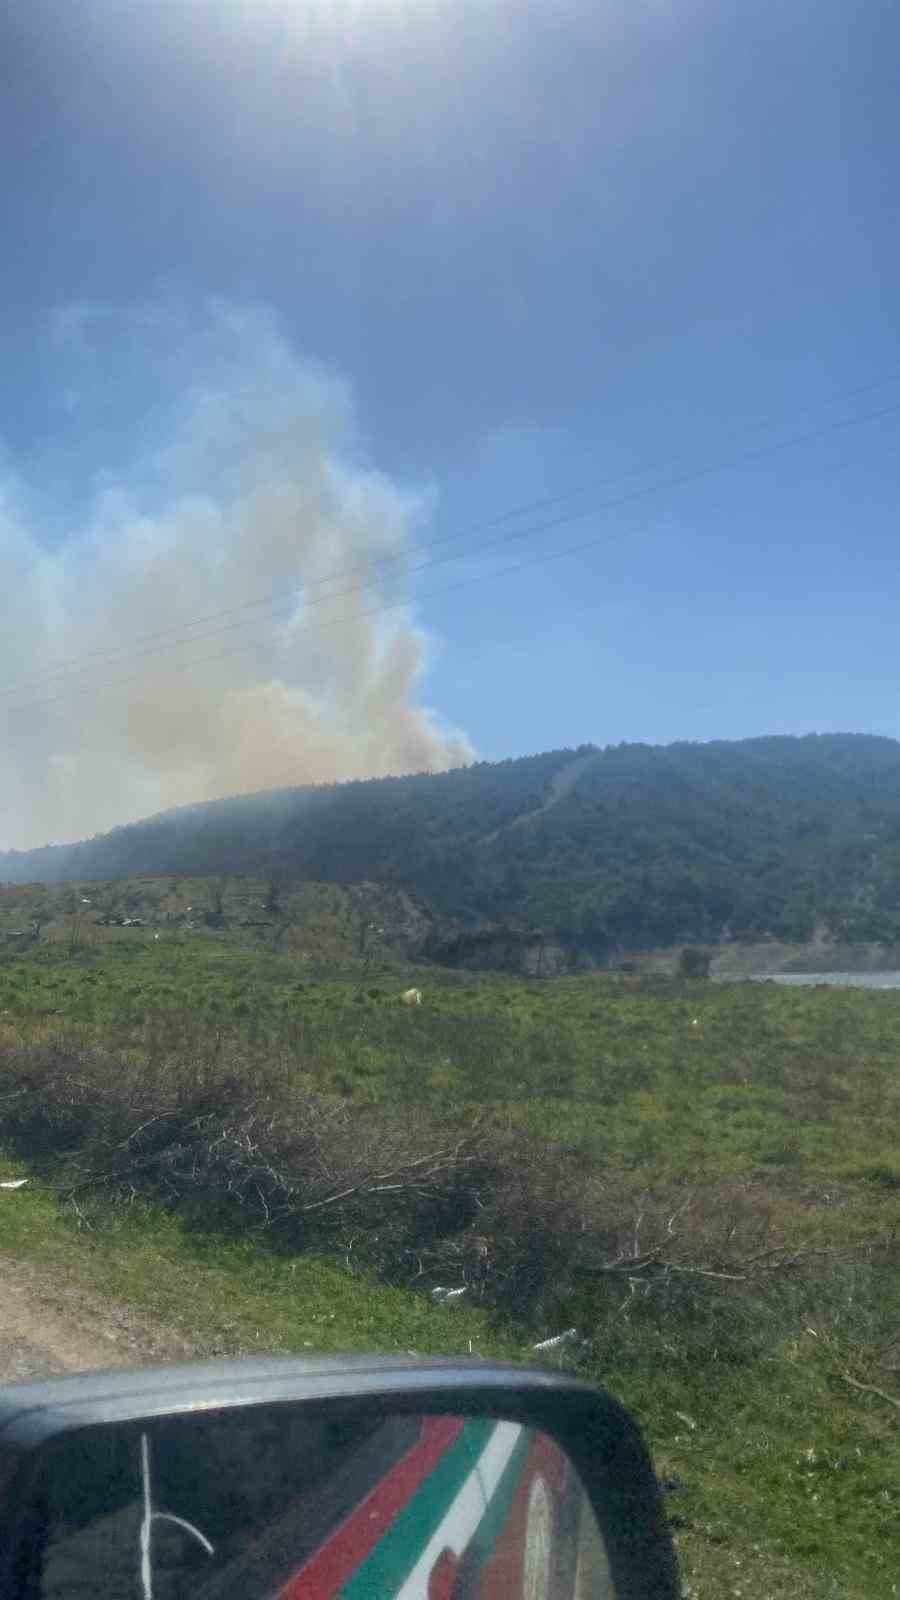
594 1432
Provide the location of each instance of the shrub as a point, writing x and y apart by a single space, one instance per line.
694 963
227 1142
231 1142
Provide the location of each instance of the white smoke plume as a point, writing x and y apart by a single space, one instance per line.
134 674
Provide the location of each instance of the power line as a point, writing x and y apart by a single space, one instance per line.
178 634
279 597
516 535
382 608
288 780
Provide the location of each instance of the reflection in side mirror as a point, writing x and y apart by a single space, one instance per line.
359 1477
314 1501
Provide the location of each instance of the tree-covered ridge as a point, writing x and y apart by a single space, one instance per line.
625 847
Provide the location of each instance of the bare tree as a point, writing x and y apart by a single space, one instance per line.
215 917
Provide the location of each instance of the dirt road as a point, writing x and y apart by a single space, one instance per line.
49 1326
560 787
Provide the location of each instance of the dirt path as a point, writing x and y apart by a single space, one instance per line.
49 1326
560 786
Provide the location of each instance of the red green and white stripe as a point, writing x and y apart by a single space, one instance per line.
451 1492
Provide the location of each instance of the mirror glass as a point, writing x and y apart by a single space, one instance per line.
289 1501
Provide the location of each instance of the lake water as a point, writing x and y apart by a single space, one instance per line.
839 980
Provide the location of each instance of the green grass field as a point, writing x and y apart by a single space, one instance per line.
763 1119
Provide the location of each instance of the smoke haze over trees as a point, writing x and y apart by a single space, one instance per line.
204 596
634 846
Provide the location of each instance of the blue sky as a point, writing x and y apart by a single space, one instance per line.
540 247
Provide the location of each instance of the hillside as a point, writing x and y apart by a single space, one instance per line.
313 922
630 847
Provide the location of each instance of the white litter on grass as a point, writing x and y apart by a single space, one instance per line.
13 1183
558 1340
447 1297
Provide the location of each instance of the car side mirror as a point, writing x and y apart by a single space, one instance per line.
359 1478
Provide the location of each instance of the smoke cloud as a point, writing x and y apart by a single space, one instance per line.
203 467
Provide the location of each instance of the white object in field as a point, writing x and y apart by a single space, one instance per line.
13 1183
412 997
447 1297
557 1341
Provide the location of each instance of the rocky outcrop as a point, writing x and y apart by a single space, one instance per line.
495 947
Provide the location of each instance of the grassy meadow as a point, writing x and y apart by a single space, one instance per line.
702 1179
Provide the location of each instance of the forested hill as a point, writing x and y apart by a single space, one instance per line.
622 847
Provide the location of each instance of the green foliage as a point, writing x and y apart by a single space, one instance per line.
628 848
745 1133
721 1080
